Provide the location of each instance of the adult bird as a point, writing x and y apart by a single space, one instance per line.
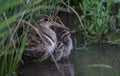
40 44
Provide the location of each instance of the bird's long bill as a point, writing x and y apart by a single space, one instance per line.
60 25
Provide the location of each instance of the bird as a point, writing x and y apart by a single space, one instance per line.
67 41
63 47
39 45
58 53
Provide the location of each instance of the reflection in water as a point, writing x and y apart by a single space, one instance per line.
107 57
37 69
97 60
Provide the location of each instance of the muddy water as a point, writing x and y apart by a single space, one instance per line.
97 61
86 61
36 69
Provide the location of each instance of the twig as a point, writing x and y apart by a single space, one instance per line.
86 33
12 34
36 2
76 15
15 32
34 28
55 62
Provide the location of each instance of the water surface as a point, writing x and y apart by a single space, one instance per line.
86 61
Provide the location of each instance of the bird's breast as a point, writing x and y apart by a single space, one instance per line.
52 40
35 47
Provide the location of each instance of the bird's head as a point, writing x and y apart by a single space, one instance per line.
48 21
65 34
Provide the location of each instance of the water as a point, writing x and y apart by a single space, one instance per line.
88 61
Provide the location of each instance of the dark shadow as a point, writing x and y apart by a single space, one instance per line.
37 69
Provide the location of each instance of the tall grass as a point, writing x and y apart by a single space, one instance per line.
12 13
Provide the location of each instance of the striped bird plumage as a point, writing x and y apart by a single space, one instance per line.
39 45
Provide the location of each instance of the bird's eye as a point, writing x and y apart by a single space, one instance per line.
46 19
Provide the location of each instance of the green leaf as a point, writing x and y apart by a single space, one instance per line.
4 24
6 4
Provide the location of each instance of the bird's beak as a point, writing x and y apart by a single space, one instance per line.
61 25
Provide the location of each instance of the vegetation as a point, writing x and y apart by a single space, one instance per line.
100 21
97 24
12 13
